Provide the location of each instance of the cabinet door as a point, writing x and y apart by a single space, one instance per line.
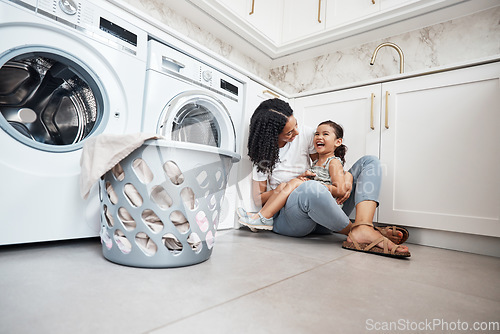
441 151
340 12
239 8
266 16
356 110
302 18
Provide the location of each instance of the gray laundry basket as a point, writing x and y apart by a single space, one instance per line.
161 204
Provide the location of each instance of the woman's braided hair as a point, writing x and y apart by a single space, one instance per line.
266 124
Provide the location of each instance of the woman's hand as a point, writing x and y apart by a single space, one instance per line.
306 176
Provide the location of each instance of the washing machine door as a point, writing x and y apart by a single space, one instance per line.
48 101
200 118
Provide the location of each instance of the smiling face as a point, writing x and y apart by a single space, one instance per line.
289 132
325 140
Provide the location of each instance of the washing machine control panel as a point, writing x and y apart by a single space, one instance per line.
166 59
86 17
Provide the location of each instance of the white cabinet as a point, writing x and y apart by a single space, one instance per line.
340 12
441 151
438 141
265 16
279 28
302 18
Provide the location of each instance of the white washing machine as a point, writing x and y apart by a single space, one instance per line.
68 71
191 100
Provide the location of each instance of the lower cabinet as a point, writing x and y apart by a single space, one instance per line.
438 139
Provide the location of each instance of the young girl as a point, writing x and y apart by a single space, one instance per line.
327 169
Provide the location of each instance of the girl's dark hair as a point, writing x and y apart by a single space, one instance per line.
266 124
339 132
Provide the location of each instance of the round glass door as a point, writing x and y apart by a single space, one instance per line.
194 123
197 118
48 101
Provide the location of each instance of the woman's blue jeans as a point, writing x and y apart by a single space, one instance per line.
312 208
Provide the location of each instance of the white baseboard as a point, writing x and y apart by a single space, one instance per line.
470 243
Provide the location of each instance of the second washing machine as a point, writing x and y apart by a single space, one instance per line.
189 100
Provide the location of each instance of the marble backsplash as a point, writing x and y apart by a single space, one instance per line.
460 40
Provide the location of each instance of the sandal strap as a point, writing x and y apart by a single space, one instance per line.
353 225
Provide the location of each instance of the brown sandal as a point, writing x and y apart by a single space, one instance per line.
373 248
389 233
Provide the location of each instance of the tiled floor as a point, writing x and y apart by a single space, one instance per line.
253 283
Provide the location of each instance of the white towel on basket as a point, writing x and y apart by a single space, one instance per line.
103 152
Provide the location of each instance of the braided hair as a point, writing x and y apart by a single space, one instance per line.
266 124
339 133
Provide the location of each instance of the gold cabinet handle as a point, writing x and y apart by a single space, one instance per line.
253 7
387 109
270 93
319 11
371 113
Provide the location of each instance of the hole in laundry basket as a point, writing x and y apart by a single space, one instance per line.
218 175
187 196
180 222
206 193
105 238
118 172
122 242
126 219
173 172
210 240
113 197
202 179
142 170
152 220
202 221
172 243
212 202
195 242
133 195
146 244
160 196
109 218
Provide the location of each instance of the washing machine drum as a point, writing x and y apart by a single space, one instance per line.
199 118
47 101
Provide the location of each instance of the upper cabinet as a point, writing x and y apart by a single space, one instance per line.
279 28
302 18
265 16
342 12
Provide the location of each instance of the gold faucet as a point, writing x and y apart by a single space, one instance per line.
398 49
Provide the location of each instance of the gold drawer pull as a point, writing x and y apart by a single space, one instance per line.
319 11
371 113
253 7
270 93
387 109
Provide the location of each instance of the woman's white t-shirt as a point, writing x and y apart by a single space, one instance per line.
293 159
